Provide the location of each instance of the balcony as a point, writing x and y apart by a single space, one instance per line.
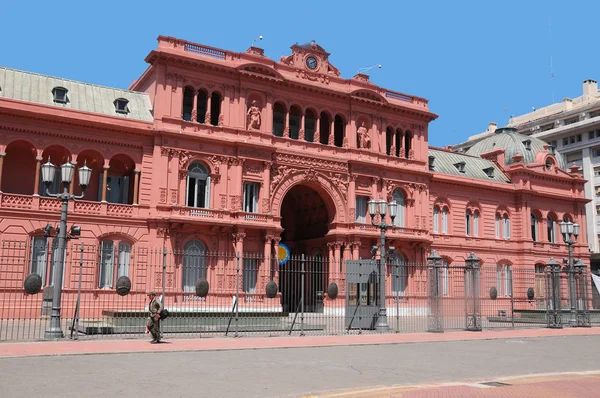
53 205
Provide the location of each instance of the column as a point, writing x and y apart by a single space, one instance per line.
2 155
268 256
286 128
332 132
355 250
267 121
38 164
195 108
276 241
317 138
352 197
136 185
337 254
104 182
302 121
347 252
208 108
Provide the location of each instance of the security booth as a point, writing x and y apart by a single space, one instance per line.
362 287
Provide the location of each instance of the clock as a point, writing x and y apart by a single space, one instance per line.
311 63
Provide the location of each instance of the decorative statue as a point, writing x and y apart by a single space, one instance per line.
364 141
253 116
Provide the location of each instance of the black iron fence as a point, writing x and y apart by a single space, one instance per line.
104 294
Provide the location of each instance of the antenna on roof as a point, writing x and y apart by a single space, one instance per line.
258 38
363 70
551 68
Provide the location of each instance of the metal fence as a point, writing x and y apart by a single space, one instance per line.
105 288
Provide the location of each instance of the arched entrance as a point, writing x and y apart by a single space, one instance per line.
305 221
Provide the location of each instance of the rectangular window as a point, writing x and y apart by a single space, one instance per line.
594 114
497 226
106 264
572 139
250 197
445 277
436 220
591 135
361 209
579 138
445 221
571 121
476 224
573 156
504 280
596 172
596 152
565 141
547 127
506 228
249 275
39 257
124 259
468 222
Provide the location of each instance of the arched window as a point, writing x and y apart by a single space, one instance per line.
279 113
201 99
468 222
445 277
399 275
445 220
504 280
506 226
215 108
389 140
497 226
476 223
194 265
309 126
399 198
407 144
338 131
398 142
188 103
534 227
324 127
198 186
436 219
115 257
295 120
551 223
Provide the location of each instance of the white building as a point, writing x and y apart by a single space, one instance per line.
572 128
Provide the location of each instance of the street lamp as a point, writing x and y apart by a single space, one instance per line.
380 207
570 232
48 172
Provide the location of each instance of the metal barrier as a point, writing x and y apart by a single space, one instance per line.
248 294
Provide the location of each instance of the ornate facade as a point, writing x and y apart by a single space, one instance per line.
234 152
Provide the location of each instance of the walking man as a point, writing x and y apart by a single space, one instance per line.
153 325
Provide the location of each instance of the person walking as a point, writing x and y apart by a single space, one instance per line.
153 325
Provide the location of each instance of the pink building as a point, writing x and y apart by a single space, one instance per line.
226 152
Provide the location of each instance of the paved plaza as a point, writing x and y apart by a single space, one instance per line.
352 366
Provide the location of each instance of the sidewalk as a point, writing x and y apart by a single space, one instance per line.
552 385
69 347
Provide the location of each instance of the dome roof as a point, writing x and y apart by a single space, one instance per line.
513 143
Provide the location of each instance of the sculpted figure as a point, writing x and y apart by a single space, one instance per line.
364 141
253 116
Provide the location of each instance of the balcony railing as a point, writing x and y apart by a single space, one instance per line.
53 205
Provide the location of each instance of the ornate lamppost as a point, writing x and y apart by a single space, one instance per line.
570 232
48 172
380 207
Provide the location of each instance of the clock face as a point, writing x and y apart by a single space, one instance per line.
311 63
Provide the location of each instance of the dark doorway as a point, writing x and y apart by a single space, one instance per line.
305 220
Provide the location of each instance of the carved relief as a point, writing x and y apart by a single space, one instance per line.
163 195
352 214
331 138
221 119
411 153
253 168
253 116
236 203
174 196
304 161
223 201
317 137
265 206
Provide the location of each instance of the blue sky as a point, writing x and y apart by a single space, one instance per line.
476 61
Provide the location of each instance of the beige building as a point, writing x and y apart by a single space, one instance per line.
572 128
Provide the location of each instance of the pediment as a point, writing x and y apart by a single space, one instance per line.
260 70
310 57
370 95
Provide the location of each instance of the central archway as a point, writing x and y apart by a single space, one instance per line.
305 219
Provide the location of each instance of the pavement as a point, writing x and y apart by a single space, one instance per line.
529 363
98 346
